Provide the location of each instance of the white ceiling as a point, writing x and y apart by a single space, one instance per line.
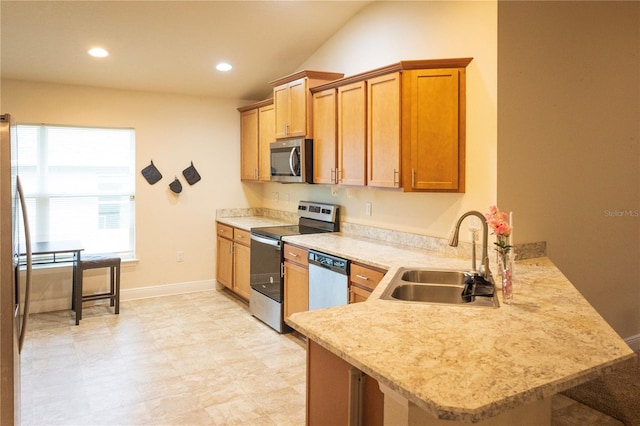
168 46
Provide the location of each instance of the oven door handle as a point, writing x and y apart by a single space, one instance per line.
264 240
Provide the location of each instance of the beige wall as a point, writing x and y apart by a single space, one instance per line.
569 143
172 130
387 32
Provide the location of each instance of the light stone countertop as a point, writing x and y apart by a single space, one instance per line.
465 363
248 222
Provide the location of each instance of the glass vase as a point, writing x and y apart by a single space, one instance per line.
506 274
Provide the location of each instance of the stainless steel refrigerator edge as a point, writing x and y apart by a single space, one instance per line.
12 325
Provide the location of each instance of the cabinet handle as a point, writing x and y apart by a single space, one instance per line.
333 175
413 178
362 277
338 175
395 177
256 173
293 254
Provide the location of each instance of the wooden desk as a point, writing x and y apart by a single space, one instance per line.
55 249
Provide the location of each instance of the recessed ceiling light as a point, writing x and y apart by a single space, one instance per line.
98 52
223 66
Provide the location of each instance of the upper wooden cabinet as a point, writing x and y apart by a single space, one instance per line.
257 131
325 136
266 135
433 127
352 134
293 102
383 131
414 125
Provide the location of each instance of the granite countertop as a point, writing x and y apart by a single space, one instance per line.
248 222
464 363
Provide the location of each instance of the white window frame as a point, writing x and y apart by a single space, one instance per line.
120 185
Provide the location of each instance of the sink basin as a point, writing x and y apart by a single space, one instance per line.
434 276
440 286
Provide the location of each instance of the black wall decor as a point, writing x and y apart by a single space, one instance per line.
151 173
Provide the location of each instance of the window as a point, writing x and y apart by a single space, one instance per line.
79 184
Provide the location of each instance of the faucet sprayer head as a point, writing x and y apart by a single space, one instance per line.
453 237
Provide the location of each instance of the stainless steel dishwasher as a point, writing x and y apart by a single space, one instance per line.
328 280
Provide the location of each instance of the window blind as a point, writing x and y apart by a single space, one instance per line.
80 185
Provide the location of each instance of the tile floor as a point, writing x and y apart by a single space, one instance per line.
195 359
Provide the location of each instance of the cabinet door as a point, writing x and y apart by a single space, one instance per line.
325 136
357 294
266 135
241 263
249 145
434 140
281 104
352 134
296 288
224 262
298 97
383 131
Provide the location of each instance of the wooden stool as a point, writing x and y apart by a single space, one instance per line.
94 262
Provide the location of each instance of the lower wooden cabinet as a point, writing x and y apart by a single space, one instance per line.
362 281
233 259
241 262
330 387
224 255
296 280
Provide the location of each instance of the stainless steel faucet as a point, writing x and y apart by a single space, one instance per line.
455 233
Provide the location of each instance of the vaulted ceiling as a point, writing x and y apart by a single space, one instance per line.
167 46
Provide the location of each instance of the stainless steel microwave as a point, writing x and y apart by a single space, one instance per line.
291 160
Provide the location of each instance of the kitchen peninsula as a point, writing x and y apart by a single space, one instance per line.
443 364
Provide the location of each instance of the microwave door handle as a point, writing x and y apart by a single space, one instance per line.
291 154
27 294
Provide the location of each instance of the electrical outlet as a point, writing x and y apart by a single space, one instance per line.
334 191
179 256
367 209
275 196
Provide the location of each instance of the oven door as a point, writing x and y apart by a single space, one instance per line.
266 264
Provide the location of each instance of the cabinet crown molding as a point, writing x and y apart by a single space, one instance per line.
318 75
419 64
255 105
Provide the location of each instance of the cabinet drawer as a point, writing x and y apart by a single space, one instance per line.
225 231
241 236
296 254
365 277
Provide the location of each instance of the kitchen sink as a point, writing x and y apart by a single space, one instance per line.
441 286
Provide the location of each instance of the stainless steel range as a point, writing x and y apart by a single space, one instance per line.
266 274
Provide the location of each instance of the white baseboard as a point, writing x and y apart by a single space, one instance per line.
64 303
167 290
634 342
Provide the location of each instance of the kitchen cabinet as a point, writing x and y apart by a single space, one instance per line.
296 280
224 255
333 385
233 258
433 129
352 133
257 131
293 102
383 131
325 133
249 145
241 262
266 135
413 126
362 281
